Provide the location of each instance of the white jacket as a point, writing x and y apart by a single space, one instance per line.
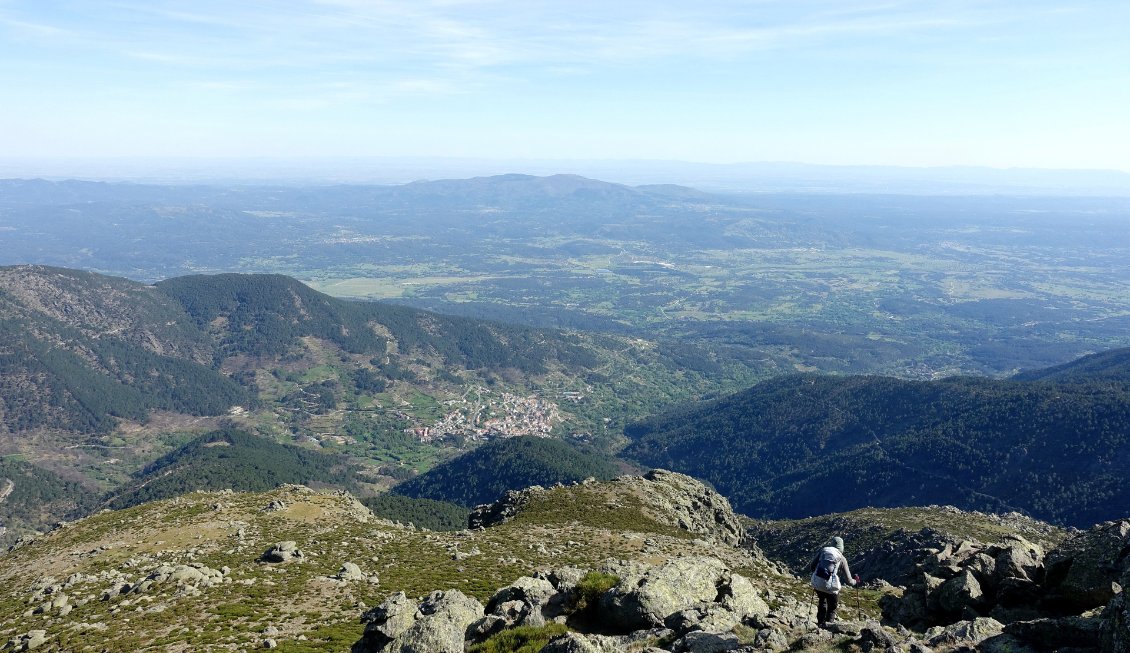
831 585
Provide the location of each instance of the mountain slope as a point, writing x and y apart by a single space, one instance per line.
482 475
307 604
233 459
78 350
1108 366
804 445
33 498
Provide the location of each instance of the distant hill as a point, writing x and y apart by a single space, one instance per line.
1107 366
234 459
808 444
78 350
482 475
33 499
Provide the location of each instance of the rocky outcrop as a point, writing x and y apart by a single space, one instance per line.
1071 597
438 625
282 552
683 595
668 497
685 502
692 604
1083 572
527 601
506 508
971 632
1115 630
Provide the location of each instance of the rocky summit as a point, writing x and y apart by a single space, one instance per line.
648 563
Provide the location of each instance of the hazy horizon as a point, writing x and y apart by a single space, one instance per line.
912 83
755 177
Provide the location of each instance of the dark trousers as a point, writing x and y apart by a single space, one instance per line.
826 605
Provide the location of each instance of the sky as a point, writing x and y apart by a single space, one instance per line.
995 83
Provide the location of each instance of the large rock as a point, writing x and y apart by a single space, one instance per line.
438 625
28 641
1082 572
707 642
572 642
647 601
194 574
282 552
1057 633
387 621
1115 634
1020 558
441 624
961 592
742 598
964 632
525 602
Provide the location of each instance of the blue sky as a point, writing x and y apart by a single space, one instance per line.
923 83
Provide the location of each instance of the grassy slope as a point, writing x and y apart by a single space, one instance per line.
297 598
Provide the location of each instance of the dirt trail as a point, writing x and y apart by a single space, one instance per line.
9 485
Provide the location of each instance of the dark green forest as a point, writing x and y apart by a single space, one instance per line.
424 513
43 384
484 474
38 497
234 459
264 314
808 444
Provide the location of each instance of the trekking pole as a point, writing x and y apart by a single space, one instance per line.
858 610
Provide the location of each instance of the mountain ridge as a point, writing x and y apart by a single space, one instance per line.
808 444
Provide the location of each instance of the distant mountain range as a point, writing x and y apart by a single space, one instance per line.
733 177
1054 444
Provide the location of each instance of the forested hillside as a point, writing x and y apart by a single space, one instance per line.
809 444
1104 367
33 498
482 475
233 459
78 350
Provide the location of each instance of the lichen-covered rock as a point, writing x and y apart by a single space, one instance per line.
1020 558
282 552
573 642
960 592
440 625
28 641
964 632
1082 572
387 621
350 571
194 574
873 637
662 591
742 598
700 641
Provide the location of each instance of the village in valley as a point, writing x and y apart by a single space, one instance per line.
480 414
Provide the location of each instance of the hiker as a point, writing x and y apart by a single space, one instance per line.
827 568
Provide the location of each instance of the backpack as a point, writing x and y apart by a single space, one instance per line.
826 568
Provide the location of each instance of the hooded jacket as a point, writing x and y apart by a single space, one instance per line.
830 555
